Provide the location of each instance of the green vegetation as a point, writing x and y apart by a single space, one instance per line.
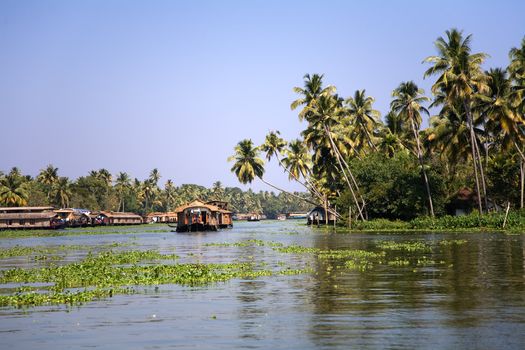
471 157
100 191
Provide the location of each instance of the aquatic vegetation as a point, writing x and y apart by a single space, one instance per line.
452 242
42 252
247 243
415 246
296 249
398 262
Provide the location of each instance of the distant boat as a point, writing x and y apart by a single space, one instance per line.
254 217
281 217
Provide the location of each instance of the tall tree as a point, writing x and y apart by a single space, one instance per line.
62 192
364 118
122 186
460 79
407 102
13 190
48 177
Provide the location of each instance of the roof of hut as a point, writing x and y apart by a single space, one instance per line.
11 209
123 215
27 216
200 204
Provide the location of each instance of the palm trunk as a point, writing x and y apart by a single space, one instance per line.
310 189
338 157
483 182
289 193
522 182
474 158
420 158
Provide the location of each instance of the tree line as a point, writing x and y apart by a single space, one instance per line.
352 161
100 190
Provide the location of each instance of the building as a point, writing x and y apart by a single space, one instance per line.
29 218
200 216
74 217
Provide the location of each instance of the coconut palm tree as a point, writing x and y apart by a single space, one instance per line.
313 89
407 102
364 118
217 191
460 79
249 166
48 177
170 192
13 190
154 176
122 186
62 192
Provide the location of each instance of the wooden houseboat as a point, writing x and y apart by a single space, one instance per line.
29 218
200 216
74 217
317 216
117 218
158 217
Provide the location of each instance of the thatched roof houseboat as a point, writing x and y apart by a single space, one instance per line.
200 216
158 217
317 216
117 218
74 217
29 218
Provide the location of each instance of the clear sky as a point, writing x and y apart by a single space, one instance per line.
134 85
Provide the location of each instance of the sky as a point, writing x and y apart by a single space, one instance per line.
174 85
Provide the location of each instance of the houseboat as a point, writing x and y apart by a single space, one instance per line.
317 216
201 216
74 217
29 218
117 218
158 217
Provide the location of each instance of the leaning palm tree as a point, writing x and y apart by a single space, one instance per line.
249 166
407 102
460 79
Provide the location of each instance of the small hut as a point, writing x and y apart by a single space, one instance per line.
117 218
317 216
200 216
29 218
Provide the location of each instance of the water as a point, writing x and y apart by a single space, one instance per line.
472 297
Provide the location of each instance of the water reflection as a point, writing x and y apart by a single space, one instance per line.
471 296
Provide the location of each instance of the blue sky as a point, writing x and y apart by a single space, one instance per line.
134 85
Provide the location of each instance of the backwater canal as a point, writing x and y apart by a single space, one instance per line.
359 291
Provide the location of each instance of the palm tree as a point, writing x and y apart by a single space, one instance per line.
324 115
460 80
407 103
170 191
313 89
154 176
105 176
217 191
364 118
249 166
122 186
13 191
48 177
62 191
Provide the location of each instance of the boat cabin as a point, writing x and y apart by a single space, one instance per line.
117 218
200 216
29 218
317 216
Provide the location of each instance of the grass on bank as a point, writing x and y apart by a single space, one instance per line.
472 222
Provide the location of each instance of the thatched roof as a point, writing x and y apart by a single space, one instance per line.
118 215
27 216
155 214
200 204
24 209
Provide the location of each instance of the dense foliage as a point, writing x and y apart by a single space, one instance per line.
470 158
100 191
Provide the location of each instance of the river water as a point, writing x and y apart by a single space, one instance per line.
472 297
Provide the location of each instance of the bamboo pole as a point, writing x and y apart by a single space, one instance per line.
506 214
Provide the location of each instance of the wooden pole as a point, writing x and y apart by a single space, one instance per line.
506 214
350 217
335 217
